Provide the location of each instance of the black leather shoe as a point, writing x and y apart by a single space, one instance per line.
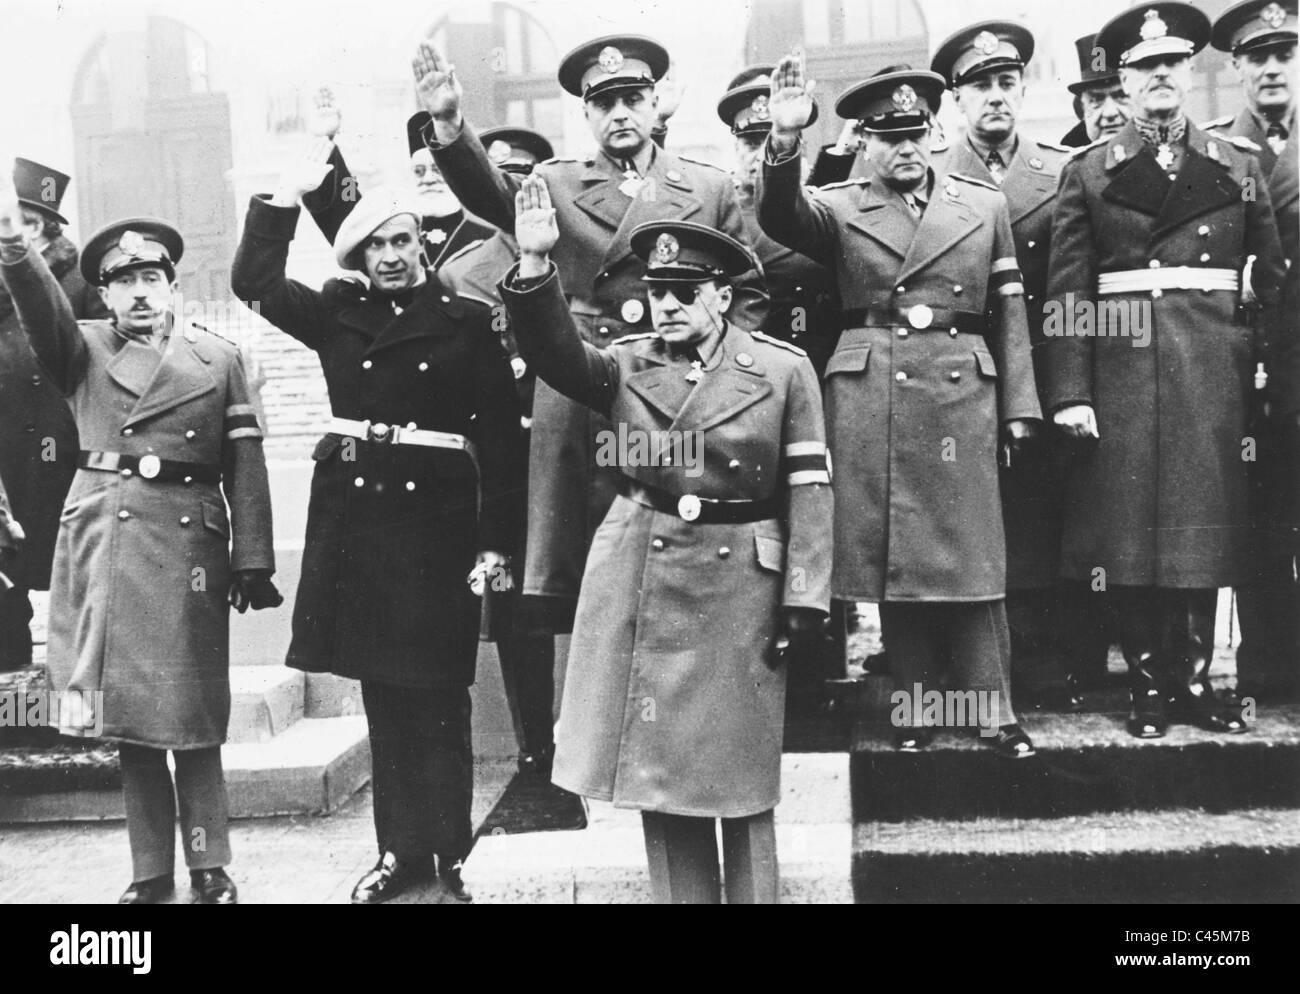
449 872
912 739
213 887
389 878
1011 742
153 891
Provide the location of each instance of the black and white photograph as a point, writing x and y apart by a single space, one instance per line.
534 452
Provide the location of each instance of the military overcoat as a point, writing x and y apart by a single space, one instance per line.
142 568
933 357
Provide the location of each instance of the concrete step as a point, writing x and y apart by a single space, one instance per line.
1180 856
264 702
606 862
1086 763
312 768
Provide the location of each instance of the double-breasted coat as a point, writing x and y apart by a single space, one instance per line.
1033 488
38 438
668 703
1162 498
142 568
933 357
602 281
392 530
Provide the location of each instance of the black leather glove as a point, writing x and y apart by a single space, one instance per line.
1019 441
253 588
800 637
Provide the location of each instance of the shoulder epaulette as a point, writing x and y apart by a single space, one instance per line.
854 181
762 337
475 298
639 336
1218 122
1241 142
1075 153
701 162
1053 146
939 146
974 182
462 250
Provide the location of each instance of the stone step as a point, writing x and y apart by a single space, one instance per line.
1085 763
312 768
264 702
1179 856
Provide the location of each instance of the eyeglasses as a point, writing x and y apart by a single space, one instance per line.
685 293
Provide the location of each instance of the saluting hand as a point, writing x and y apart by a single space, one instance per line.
324 119
535 227
436 87
304 173
791 102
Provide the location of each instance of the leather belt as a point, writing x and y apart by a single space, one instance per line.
149 467
921 317
1168 278
378 431
704 510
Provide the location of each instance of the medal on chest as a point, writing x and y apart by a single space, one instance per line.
631 184
696 372
436 236
1165 157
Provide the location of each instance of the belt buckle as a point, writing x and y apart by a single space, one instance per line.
920 317
149 466
378 432
689 507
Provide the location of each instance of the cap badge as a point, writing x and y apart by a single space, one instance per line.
610 59
666 249
986 43
1273 15
131 242
1153 26
759 109
499 151
905 99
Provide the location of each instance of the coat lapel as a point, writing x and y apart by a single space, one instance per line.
945 222
727 389
662 386
1247 126
600 198
1203 185
1137 181
668 194
433 313
180 376
883 221
1027 188
134 365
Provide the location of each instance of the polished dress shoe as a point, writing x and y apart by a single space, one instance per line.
389 878
912 739
449 872
213 887
1011 742
152 891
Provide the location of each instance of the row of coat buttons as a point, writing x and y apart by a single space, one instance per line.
659 545
360 481
185 519
957 288
190 435
901 377
422 367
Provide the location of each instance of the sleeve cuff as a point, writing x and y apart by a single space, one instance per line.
270 221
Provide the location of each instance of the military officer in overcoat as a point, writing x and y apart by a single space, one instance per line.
932 364
1261 37
411 486
149 557
38 437
599 199
983 64
674 697
1155 224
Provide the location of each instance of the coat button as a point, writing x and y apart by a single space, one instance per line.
367 364
952 332
525 422
185 521
123 515
1030 244
126 473
188 480
410 485
902 289
957 289
29 428
423 367
657 545
724 552
900 376
603 330
128 432
734 464
1203 231
36 381
1155 264
954 375
360 481
902 332
446 300
798 289
1157 293
1205 256
189 435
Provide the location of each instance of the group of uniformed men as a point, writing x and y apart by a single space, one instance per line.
1014 493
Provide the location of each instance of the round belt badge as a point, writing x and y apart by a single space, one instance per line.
688 508
379 431
920 317
519 366
633 311
150 466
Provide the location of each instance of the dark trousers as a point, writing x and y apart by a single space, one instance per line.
683 855
423 770
1057 632
968 639
15 629
526 649
151 809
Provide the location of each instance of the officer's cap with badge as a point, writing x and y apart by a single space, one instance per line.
744 107
906 100
40 188
1153 30
130 244
516 150
1255 24
614 62
688 252
984 47
1096 72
